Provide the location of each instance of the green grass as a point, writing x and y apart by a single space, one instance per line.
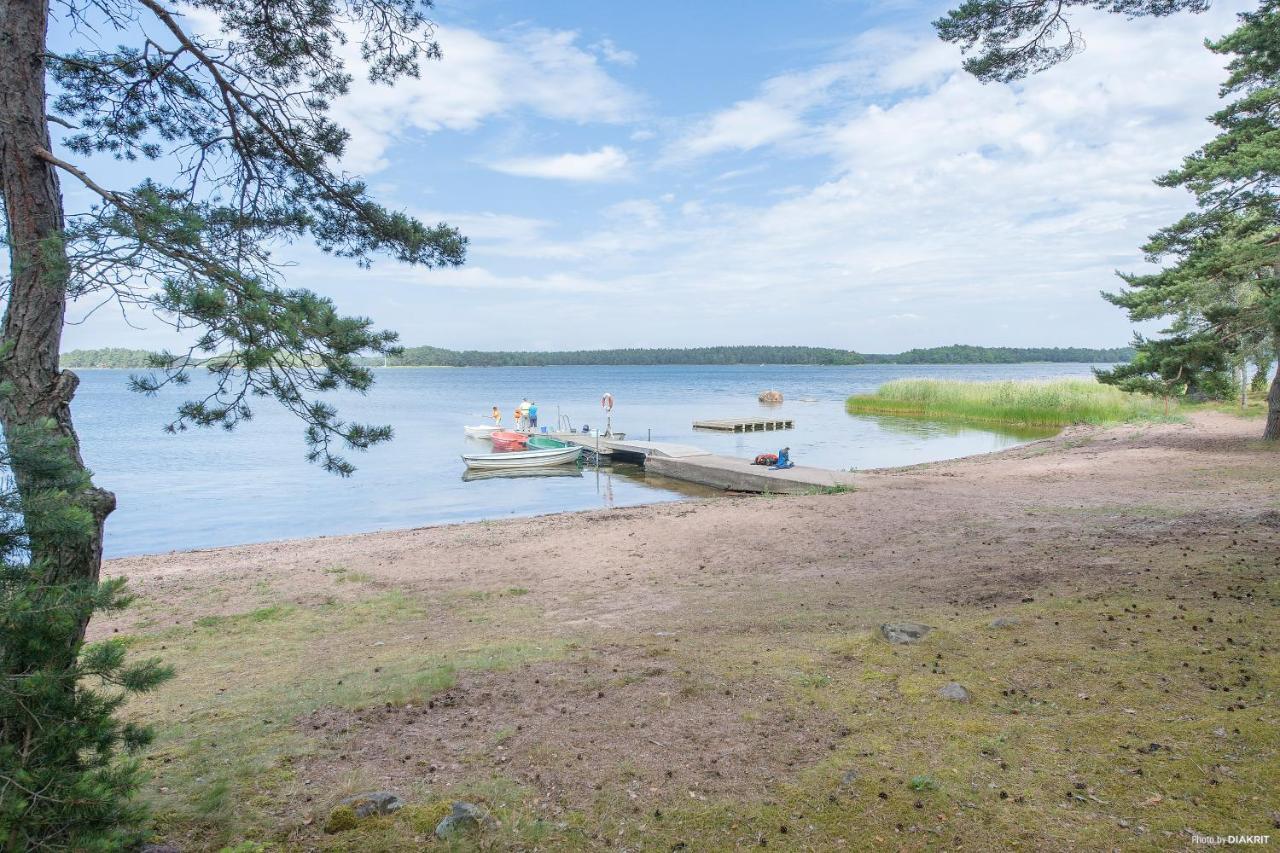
1055 403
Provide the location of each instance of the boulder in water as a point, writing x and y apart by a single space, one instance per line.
770 396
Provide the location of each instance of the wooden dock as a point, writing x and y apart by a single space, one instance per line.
749 424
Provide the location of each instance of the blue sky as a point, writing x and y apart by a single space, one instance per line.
685 174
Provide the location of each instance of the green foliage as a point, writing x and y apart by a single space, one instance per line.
66 780
1019 37
1190 365
963 354
244 113
427 356
1055 403
435 357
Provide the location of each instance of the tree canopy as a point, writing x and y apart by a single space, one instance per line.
1010 39
231 99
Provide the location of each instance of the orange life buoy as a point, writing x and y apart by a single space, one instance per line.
606 402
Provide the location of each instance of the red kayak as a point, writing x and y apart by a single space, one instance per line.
504 441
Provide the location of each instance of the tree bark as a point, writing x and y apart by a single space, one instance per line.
1272 430
39 392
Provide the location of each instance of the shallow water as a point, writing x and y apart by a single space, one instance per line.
208 488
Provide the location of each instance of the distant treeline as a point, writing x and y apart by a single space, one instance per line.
110 357
962 354
437 357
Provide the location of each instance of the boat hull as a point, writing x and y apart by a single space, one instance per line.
480 431
542 442
504 440
521 459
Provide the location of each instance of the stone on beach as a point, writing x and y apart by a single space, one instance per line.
465 817
904 632
354 809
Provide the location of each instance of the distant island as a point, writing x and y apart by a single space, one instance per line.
426 356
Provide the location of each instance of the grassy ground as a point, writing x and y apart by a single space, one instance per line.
1059 402
1097 721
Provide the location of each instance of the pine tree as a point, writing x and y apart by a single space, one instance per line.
1014 38
1224 284
63 783
239 112
1222 289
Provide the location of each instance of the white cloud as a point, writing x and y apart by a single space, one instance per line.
948 203
612 53
537 71
606 164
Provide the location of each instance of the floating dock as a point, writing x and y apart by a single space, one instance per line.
750 424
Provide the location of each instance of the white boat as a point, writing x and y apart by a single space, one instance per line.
480 431
521 458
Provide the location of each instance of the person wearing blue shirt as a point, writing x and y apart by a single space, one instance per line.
533 416
784 460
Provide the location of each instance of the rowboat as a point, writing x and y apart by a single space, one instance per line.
482 431
505 440
543 442
521 458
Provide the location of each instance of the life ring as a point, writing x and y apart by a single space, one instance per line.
606 402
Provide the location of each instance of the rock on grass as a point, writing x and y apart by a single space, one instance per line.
462 819
904 632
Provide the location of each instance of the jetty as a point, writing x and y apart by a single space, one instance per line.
748 424
695 465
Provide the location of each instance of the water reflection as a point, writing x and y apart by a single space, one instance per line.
933 428
471 476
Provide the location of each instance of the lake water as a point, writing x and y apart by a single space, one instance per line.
207 488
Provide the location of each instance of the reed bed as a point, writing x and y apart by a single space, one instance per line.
1056 403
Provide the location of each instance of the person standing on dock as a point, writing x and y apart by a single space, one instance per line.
497 416
533 416
524 413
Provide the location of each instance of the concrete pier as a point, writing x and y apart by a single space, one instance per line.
739 475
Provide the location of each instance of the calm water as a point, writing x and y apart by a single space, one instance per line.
208 488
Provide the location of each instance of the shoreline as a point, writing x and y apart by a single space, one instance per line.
721 662
679 501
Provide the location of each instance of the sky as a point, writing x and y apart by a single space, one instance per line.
816 173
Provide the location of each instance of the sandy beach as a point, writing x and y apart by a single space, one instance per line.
724 654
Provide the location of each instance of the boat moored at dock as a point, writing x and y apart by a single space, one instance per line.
522 458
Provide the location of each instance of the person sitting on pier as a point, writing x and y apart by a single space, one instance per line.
784 460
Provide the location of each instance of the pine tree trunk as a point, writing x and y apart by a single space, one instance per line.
1272 431
40 392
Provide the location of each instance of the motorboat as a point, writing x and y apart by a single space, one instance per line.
545 442
481 431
